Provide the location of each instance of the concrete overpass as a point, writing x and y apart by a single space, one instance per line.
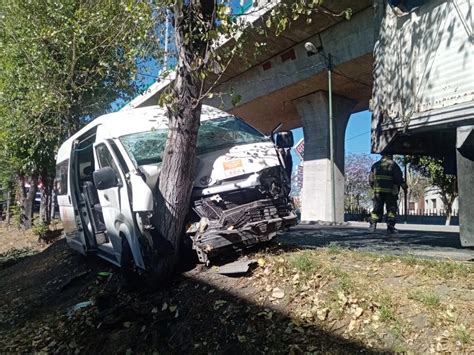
283 83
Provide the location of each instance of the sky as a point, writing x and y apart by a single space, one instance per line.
357 138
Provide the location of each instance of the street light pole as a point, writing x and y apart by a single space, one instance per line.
405 195
331 140
165 59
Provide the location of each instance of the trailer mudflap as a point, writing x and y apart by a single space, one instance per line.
217 241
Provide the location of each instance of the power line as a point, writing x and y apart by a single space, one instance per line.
358 135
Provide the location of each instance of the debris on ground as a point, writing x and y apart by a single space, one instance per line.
326 300
239 267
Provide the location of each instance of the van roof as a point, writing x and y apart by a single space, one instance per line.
130 121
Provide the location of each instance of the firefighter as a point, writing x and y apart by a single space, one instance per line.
385 180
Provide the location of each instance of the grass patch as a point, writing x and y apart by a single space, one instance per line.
388 258
14 256
410 260
428 299
443 269
447 270
462 335
345 282
400 349
386 310
304 262
334 249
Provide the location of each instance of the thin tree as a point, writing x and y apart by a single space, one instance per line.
63 63
199 25
433 170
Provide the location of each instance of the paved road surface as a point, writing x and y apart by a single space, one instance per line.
420 240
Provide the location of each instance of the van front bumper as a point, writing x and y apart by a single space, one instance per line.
214 242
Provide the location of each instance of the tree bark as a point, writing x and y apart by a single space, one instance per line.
177 169
448 201
45 207
7 209
20 201
448 218
28 203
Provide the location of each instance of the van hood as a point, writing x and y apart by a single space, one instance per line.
237 162
224 169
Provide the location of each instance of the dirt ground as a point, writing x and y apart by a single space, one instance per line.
325 300
13 238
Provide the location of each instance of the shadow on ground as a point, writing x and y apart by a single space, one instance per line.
199 312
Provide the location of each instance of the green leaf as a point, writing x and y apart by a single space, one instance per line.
236 98
268 22
348 14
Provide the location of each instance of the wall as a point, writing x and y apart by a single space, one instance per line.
423 69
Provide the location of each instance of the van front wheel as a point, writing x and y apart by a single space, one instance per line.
127 264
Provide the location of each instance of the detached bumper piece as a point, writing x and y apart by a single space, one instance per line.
240 227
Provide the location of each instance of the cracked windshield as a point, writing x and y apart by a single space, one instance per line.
147 147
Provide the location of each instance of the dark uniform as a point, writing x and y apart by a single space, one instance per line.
385 179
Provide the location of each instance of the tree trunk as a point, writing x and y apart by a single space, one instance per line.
20 202
177 170
52 200
45 207
448 201
7 208
28 204
448 218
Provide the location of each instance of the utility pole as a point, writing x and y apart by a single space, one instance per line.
331 140
405 192
165 59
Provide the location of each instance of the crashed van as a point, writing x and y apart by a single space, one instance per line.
107 179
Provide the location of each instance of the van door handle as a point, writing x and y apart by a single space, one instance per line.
106 197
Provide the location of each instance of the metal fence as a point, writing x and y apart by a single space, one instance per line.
419 216
417 212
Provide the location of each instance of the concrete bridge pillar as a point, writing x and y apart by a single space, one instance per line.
465 173
316 194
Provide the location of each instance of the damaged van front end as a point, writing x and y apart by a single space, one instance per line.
243 209
241 188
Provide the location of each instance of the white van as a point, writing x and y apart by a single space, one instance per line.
107 176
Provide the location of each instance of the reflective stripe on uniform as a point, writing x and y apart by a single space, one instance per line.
383 177
383 190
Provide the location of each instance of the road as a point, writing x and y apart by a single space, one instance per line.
420 240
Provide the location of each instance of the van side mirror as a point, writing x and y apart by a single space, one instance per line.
105 178
284 139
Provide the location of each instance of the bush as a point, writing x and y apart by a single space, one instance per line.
40 229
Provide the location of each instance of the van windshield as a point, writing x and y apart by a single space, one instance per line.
148 147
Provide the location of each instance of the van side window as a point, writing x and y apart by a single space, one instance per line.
105 159
60 180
